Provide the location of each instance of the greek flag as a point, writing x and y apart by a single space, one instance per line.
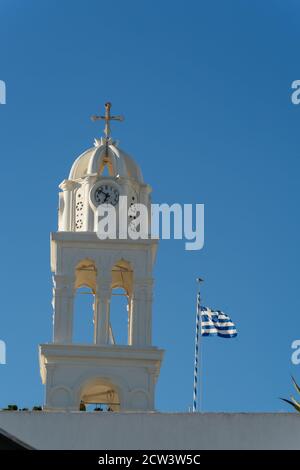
216 323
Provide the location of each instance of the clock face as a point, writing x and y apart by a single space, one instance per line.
106 194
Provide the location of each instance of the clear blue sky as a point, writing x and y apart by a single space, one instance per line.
205 88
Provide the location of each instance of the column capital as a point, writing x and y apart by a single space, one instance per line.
142 288
67 185
143 282
104 281
63 282
104 288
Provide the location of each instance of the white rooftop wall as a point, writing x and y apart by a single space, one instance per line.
80 430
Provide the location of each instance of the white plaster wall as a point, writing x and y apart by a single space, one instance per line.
80 430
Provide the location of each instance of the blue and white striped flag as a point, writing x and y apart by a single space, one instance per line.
216 323
209 323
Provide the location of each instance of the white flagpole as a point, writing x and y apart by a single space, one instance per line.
200 355
197 360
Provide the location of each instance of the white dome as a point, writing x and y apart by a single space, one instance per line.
94 160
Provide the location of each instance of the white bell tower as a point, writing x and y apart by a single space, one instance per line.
122 377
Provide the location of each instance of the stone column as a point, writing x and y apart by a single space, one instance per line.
146 200
102 304
91 220
141 313
67 187
63 300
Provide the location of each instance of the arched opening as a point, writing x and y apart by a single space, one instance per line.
100 395
104 171
120 318
106 165
84 302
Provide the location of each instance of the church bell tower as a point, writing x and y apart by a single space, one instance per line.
120 377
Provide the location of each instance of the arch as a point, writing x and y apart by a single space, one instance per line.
122 287
106 168
91 162
85 282
138 261
86 274
119 317
101 390
111 156
106 162
61 397
122 275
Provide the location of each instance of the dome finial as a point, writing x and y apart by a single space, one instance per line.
107 118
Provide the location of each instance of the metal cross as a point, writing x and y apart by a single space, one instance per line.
107 118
